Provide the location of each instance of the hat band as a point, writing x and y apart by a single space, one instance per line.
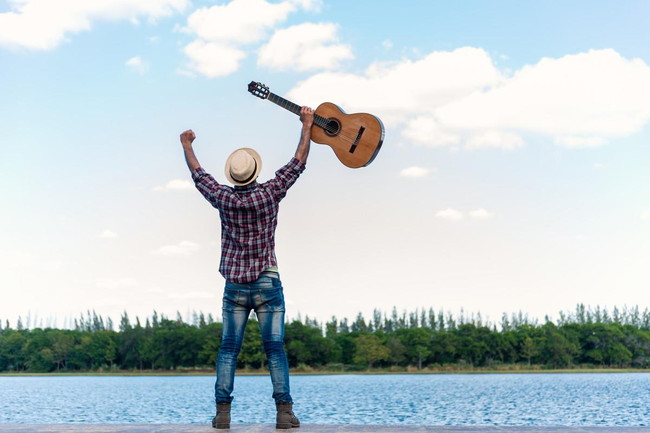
249 178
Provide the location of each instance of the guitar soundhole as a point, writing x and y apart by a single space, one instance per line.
332 127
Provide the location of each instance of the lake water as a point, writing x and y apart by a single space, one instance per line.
500 399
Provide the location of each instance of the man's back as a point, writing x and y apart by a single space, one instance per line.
249 216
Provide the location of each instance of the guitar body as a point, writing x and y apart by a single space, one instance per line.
355 138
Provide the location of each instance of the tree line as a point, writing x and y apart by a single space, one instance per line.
423 339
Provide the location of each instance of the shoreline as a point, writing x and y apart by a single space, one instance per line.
326 373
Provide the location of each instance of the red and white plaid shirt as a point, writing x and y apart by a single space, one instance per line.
249 216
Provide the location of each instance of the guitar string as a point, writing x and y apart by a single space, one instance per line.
344 137
295 108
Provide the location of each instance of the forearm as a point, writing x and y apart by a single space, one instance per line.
302 152
190 159
187 138
307 119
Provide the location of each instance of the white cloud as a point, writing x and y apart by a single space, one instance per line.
44 24
213 59
115 283
309 5
426 130
107 234
221 30
598 166
646 215
450 214
397 92
480 214
138 65
240 21
492 138
304 47
184 248
579 100
414 172
449 98
176 185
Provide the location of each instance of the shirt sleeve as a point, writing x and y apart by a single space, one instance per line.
207 186
285 177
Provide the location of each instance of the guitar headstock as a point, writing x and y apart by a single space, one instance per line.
258 89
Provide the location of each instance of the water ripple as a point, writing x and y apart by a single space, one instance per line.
502 399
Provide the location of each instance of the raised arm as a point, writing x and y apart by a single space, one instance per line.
187 138
307 119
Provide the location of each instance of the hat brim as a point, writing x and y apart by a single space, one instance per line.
258 167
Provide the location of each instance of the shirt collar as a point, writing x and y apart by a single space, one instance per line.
251 185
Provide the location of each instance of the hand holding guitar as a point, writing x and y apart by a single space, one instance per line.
307 119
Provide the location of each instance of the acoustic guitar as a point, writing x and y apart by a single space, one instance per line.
355 138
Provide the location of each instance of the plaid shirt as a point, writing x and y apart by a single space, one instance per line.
249 215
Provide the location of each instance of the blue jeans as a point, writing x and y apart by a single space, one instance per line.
265 297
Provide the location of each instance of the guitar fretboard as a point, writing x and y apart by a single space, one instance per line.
295 109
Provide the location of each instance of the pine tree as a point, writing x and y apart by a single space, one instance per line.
125 324
331 328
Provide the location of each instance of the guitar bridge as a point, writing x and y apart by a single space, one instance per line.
356 140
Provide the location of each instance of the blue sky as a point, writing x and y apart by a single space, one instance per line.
513 175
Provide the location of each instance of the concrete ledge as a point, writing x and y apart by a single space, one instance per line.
270 428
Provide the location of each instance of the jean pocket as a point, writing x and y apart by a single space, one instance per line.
270 300
231 299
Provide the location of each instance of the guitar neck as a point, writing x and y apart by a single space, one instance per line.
295 109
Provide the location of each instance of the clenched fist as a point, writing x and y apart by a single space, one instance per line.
187 137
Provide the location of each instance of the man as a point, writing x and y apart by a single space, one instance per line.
249 212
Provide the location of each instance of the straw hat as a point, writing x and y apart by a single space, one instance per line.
243 166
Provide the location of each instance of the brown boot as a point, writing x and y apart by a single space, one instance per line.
286 418
222 420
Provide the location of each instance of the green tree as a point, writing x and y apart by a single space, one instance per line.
13 356
528 349
556 349
472 346
252 352
369 350
306 344
418 344
396 351
61 343
37 351
210 343
100 348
